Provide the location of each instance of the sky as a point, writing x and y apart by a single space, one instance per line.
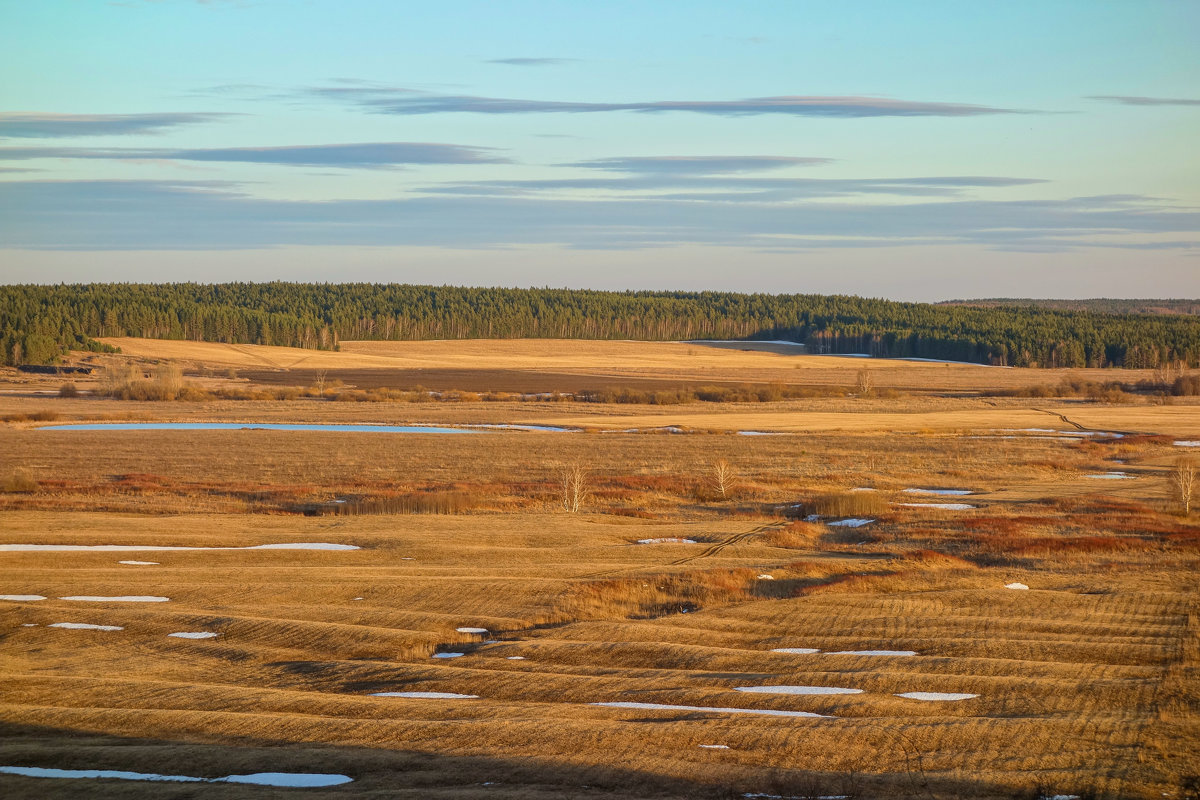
910 150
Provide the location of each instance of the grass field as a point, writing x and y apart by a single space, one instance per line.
1085 683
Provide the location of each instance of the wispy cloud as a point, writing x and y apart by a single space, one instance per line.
408 101
374 155
532 62
38 125
208 215
1136 100
698 165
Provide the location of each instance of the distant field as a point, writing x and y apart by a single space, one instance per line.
1087 682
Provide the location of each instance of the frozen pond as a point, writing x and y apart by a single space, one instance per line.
285 779
940 506
953 492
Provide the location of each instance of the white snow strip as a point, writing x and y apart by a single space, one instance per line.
140 563
667 540
765 577
280 779
471 630
1187 444
797 690
293 780
940 506
1110 476
863 489
715 746
128 598
760 433
448 655
936 696
516 658
428 695
853 522
796 651
196 635
1015 586
955 492
769 712
129 548
85 626
874 653
22 598
29 624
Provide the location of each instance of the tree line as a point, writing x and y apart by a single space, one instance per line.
39 324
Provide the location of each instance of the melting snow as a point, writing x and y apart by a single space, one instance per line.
798 651
471 630
85 626
128 598
955 492
196 635
940 506
125 548
936 696
766 577
797 690
1015 586
448 655
770 712
22 598
1111 476
667 540
853 522
874 653
428 695
516 658
715 746
286 779
140 563
1187 444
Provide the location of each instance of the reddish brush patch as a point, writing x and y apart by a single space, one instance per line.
938 559
629 512
1057 545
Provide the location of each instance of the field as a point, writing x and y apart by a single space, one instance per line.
636 648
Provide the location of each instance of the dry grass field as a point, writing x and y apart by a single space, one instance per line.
1086 683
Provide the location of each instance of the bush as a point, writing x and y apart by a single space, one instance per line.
19 480
68 389
845 504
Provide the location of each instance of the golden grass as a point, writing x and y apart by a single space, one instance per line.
1088 682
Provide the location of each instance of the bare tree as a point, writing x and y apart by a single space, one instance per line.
865 383
1183 482
723 478
572 479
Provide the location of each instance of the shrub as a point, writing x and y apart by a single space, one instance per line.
68 389
845 504
19 480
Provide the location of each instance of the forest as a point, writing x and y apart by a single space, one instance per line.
40 324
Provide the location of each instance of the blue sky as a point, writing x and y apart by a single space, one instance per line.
913 150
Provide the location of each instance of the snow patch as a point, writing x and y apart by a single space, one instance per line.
769 712
853 522
714 746
280 779
129 548
85 626
667 540
954 492
140 563
796 651
516 658
128 598
448 655
195 635
930 696
1187 444
1016 586
874 653
797 690
22 598
765 577
428 695
1110 476
940 506
471 630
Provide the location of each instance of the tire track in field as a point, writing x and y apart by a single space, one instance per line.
735 539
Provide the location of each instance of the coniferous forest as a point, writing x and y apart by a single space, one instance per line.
39 324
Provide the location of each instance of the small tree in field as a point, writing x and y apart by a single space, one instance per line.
723 478
572 480
1183 482
864 383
